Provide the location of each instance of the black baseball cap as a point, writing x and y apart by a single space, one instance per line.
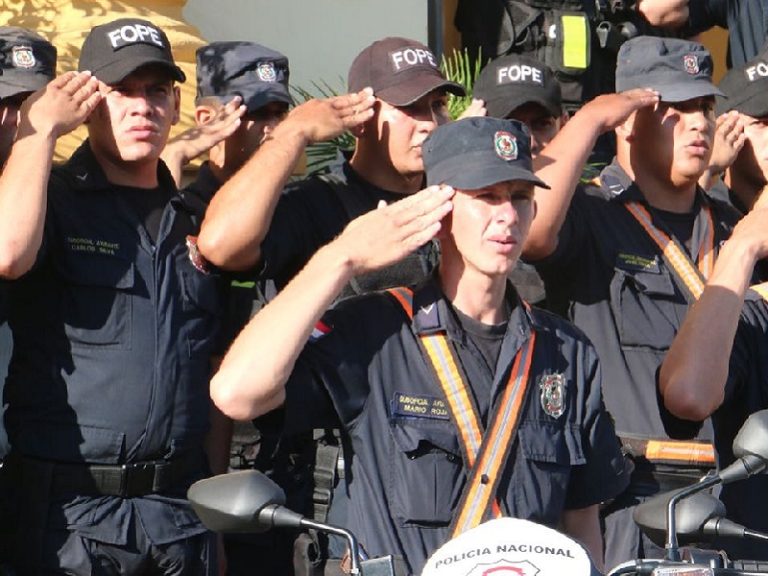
27 61
508 82
677 69
400 71
746 88
114 50
476 152
256 73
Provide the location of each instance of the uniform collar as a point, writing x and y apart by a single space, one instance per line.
619 185
432 312
88 175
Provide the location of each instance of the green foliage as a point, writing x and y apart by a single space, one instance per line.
460 69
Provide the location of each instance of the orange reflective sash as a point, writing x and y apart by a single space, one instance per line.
485 452
691 278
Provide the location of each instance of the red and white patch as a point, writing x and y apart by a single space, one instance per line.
691 63
23 57
321 329
197 259
505 145
505 568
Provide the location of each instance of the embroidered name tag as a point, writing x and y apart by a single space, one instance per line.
637 263
416 406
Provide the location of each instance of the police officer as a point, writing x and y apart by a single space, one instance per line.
745 109
718 365
421 439
114 319
408 102
625 257
256 77
524 89
28 63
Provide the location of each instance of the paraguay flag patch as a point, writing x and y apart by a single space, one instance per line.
321 329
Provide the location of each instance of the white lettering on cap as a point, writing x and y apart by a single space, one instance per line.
133 34
759 70
409 57
519 73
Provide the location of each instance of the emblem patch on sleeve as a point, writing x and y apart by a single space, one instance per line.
197 259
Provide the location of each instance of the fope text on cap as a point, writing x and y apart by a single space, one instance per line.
400 71
511 81
116 49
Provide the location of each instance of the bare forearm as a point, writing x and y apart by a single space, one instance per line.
23 194
693 375
253 374
240 213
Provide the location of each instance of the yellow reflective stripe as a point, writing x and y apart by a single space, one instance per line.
496 444
677 258
690 452
455 392
761 289
575 41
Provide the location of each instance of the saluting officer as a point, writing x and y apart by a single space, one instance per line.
114 321
434 384
625 257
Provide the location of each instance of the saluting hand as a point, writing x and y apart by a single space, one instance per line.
611 110
61 106
323 119
388 234
729 140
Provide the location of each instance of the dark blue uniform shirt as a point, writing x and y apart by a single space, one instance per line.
607 276
113 342
406 474
312 212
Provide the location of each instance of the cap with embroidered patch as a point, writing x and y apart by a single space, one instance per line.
400 71
27 61
746 88
677 69
476 152
254 72
115 50
508 82
510 546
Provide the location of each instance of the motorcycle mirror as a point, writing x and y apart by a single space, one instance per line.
232 502
753 436
690 516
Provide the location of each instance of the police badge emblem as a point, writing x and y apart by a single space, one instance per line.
691 63
552 388
23 57
197 259
505 145
266 72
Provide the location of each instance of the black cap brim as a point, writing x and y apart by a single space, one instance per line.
118 71
409 91
12 85
480 174
503 107
264 97
682 91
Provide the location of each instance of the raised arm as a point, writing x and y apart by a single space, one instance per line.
240 213
693 375
47 114
561 163
253 374
669 14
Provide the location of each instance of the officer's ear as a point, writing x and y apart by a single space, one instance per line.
205 112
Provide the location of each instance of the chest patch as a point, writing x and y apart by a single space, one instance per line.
637 263
552 388
418 406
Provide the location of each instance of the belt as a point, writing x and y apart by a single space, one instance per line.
676 452
129 480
